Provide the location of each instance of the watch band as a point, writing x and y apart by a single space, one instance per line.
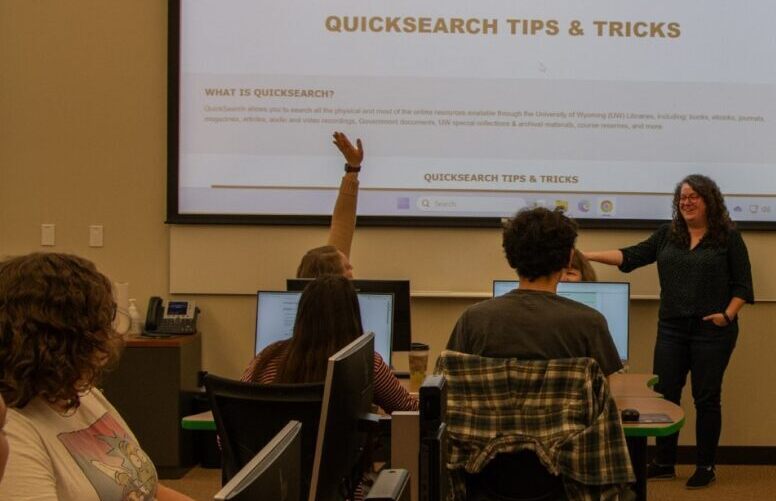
727 318
350 168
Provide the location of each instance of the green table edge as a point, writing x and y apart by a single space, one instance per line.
646 431
198 425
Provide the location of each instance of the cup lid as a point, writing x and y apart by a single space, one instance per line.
419 347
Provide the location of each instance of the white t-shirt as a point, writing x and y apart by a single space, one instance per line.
90 455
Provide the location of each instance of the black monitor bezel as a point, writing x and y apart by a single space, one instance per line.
331 446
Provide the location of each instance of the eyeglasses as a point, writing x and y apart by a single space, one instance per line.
691 198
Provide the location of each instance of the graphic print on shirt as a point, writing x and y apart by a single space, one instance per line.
112 461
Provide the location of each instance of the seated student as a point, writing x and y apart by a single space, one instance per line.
67 441
334 258
533 322
327 320
579 270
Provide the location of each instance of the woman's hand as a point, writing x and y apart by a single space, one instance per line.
354 155
718 319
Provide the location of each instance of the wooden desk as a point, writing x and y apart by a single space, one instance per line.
153 387
633 385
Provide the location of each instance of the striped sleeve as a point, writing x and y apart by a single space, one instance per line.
388 391
267 375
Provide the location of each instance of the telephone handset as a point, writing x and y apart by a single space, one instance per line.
170 317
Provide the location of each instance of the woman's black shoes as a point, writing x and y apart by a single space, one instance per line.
703 477
660 472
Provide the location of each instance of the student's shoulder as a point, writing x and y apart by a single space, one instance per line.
490 306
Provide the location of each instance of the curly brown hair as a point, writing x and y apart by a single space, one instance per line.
56 337
718 220
538 242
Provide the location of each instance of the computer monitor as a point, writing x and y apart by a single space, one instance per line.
347 397
276 314
272 474
612 299
402 324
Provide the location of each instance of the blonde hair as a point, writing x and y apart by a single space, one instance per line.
580 262
319 262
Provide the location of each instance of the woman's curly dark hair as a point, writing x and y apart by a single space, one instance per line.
538 242
56 337
717 217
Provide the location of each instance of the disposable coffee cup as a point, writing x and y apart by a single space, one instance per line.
418 364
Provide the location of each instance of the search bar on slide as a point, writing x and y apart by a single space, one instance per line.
501 205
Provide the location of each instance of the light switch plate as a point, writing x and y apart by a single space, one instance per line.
95 235
47 234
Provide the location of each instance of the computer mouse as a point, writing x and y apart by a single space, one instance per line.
630 415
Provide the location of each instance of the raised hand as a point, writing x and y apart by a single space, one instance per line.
354 155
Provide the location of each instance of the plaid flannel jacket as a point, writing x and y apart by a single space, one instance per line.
560 409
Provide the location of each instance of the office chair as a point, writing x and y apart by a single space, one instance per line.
532 430
248 415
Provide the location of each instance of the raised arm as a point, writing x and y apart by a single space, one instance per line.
343 219
612 257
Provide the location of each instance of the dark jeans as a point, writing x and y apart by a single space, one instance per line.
703 349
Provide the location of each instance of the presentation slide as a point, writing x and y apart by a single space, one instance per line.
476 109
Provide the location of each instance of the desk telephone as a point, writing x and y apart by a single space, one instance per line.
169 318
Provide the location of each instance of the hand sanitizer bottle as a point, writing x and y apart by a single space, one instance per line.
136 323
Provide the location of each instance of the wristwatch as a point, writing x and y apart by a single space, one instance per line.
350 168
727 318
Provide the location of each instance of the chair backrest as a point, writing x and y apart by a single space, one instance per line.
248 415
526 410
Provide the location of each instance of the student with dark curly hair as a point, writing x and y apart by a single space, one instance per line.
532 322
67 441
705 280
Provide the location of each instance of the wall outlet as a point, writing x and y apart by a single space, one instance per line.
47 234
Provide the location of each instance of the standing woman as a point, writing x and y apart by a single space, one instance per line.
705 280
